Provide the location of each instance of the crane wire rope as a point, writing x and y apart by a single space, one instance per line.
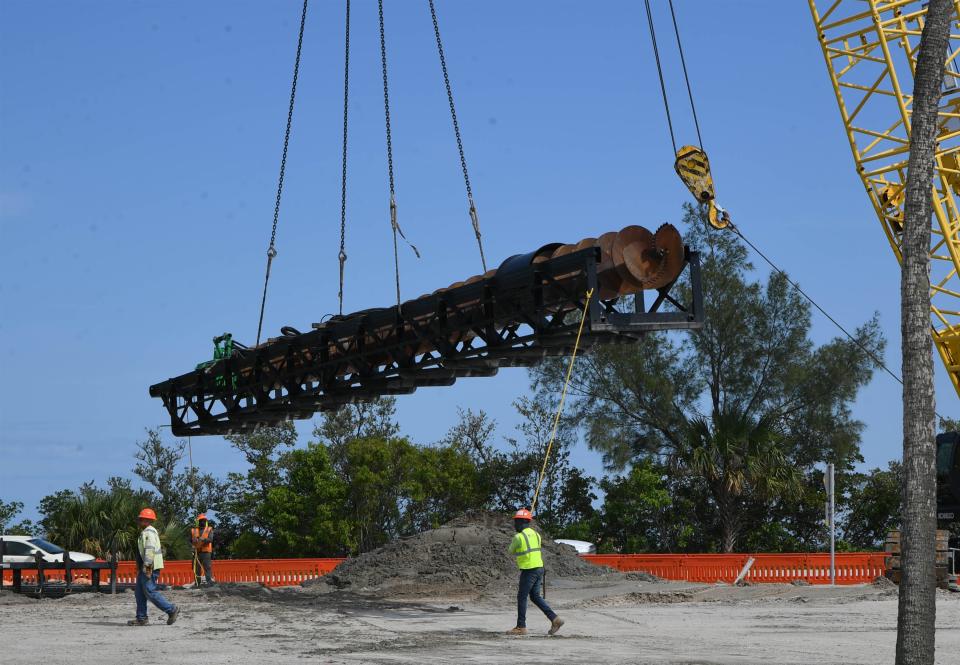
393 199
813 302
474 217
193 501
271 249
663 86
342 256
563 397
686 78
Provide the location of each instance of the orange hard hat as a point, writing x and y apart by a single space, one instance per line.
148 514
201 516
523 514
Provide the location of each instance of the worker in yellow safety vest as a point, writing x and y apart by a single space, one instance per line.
201 537
525 546
149 565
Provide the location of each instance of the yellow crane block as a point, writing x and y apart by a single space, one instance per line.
693 167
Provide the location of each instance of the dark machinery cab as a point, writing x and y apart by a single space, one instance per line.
948 478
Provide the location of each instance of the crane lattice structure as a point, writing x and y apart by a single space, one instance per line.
870 47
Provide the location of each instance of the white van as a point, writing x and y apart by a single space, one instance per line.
582 546
23 549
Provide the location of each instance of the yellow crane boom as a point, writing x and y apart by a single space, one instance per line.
870 47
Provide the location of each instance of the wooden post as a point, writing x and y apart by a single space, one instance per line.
113 573
38 560
67 571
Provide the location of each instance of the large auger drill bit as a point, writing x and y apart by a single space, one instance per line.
631 260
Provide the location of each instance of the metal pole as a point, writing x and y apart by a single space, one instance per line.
193 479
833 562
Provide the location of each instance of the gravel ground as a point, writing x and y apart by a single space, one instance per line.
607 622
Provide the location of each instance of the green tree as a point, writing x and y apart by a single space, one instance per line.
949 425
508 473
157 465
749 395
872 507
8 511
263 450
305 512
443 483
375 419
243 492
638 512
742 463
181 491
393 486
50 506
102 520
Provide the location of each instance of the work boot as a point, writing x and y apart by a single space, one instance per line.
173 615
555 625
517 631
138 622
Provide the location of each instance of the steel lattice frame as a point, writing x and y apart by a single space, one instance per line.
870 47
516 318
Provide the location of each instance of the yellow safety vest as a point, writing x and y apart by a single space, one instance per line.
526 547
148 544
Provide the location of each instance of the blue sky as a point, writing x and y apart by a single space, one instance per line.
139 147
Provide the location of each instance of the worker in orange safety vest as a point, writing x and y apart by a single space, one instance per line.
201 536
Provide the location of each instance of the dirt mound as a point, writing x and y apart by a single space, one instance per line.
466 555
883 582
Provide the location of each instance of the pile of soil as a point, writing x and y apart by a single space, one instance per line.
466 555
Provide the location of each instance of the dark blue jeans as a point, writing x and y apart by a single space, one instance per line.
147 590
530 581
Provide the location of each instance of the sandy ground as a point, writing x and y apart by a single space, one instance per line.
615 622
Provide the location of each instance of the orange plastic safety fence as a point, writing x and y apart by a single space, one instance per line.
270 572
852 568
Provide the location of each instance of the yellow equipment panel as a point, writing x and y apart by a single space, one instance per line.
870 47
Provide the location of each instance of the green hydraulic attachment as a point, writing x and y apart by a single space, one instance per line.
222 348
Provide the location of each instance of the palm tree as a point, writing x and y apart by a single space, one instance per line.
98 523
174 537
740 458
917 607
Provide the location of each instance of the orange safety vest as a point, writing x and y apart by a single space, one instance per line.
196 537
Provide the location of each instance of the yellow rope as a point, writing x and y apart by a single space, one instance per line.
563 396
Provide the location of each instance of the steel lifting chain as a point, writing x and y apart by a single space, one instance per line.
343 177
272 249
474 217
393 199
